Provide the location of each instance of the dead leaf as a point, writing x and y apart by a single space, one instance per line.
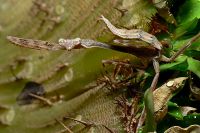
190 129
163 94
195 91
186 110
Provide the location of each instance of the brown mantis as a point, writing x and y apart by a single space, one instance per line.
126 35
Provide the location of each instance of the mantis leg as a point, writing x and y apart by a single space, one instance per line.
181 50
157 71
152 88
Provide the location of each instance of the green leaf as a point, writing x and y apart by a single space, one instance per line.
180 64
194 65
175 111
189 10
188 18
193 53
150 124
191 119
186 28
195 46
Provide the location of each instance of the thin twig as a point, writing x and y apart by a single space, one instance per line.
47 101
66 128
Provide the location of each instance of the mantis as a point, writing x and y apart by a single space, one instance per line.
155 55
